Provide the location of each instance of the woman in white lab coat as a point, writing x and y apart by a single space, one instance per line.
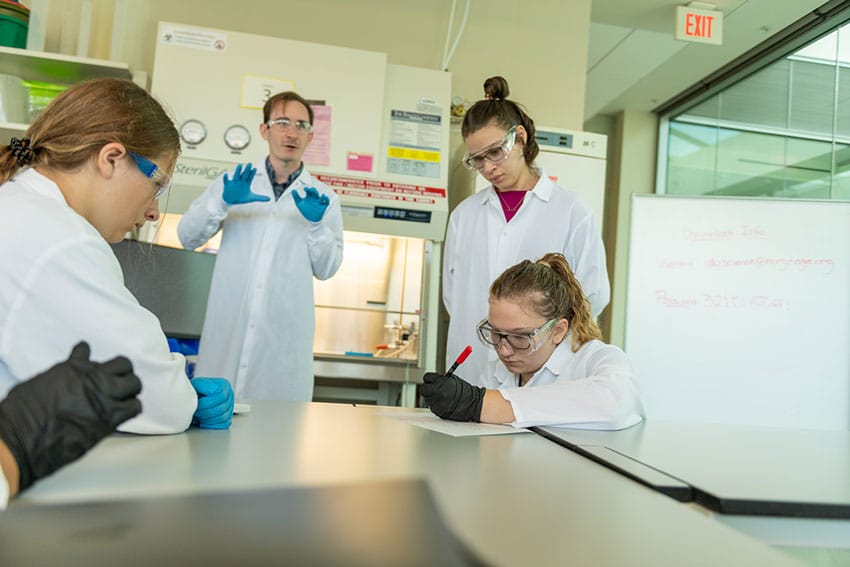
88 170
521 215
552 367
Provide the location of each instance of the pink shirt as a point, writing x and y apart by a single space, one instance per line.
511 202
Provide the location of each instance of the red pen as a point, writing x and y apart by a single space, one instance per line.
459 360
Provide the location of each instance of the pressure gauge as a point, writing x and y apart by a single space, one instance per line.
193 132
237 137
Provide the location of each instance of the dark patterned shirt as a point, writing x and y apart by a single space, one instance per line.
279 188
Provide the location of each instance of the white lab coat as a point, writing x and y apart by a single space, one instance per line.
593 388
60 283
258 330
480 245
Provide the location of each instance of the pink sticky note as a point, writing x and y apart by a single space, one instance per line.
359 162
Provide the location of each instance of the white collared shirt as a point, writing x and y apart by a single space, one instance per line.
589 389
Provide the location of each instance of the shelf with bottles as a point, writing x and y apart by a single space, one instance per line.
367 333
371 308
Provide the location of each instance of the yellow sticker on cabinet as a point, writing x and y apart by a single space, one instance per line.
257 90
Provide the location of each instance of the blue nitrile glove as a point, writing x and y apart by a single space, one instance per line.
312 205
215 403
237 191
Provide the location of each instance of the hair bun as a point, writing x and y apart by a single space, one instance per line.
496 88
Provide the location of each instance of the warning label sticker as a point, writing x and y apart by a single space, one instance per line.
382 189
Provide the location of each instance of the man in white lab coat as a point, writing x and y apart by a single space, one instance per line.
280 227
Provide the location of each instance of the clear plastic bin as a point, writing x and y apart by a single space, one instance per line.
40 95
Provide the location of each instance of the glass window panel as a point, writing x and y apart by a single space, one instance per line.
761 99
812 93
706 109
808 169
842 120
691 159
750 164
772 134
843 47
823 49
841 182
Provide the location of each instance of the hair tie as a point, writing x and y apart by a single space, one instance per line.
22 150
491 97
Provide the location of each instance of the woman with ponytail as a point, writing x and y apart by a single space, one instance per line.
552 367
521 215
90 169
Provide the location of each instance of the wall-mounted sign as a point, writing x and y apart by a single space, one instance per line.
257 90
695 22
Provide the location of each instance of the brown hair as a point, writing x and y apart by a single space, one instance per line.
552 290
89 115
284 97
497 109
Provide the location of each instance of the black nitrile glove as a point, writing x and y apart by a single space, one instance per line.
55 417
452 397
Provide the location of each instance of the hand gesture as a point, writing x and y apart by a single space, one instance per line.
237 191
55 417
452 397
215 403
312 205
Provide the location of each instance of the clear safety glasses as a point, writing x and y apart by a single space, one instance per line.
519 342
302 126
493 154
152 172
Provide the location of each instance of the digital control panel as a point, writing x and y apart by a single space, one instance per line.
402 214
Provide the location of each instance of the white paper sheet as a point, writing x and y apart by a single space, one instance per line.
427 420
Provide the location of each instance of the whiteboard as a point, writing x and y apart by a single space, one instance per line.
738 310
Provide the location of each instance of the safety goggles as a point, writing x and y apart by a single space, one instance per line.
302 126
519 342
493 154
152 172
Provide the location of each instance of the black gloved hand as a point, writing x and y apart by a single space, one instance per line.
452 397
60 414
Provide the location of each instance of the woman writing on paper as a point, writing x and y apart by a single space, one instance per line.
552 367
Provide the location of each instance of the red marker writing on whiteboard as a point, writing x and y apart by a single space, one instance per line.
459 360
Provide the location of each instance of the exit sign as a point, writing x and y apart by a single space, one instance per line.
699 25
